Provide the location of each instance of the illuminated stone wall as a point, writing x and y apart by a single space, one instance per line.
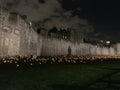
18 38
16 35
9 34
117 48
54 47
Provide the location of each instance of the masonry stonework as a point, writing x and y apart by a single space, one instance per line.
17 37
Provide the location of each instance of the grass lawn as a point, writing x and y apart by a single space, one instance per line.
54 77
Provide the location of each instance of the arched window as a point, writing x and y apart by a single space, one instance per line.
7 29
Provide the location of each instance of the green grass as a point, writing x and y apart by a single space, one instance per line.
53 77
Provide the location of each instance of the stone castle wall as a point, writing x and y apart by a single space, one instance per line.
53 47
17 37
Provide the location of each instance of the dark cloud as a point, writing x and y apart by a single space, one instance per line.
65 21
9 5
49 13
33 8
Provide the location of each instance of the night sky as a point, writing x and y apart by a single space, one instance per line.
104 16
